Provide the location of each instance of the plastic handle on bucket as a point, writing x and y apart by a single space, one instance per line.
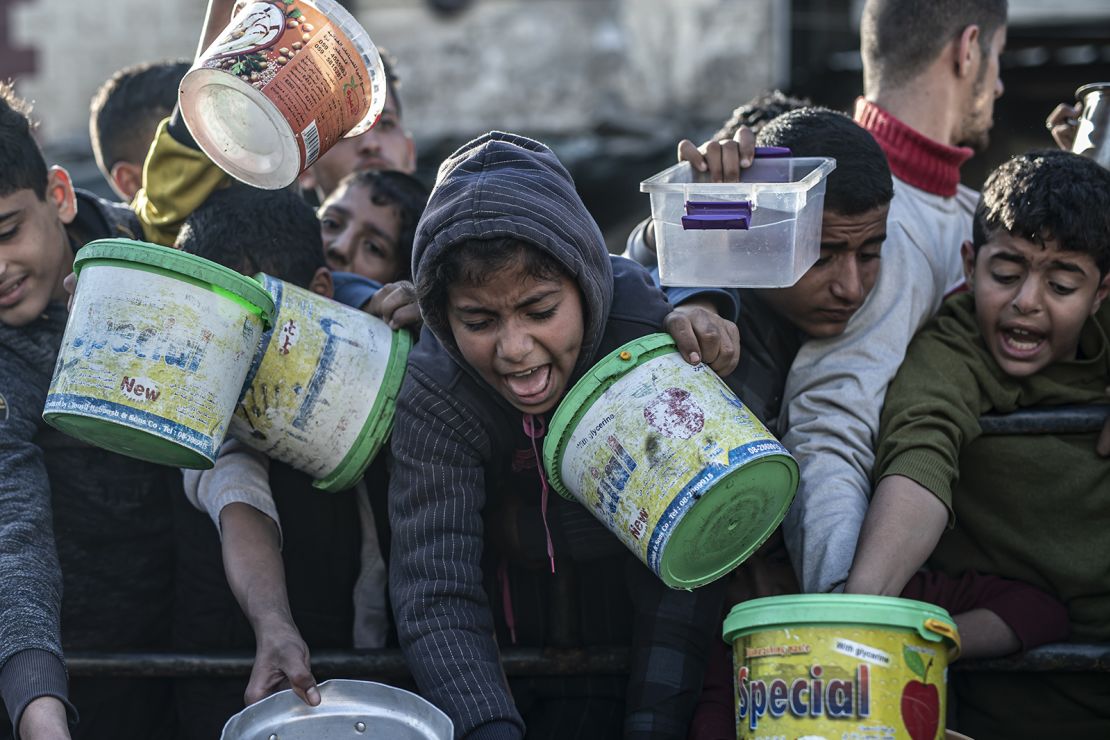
944 629
734 214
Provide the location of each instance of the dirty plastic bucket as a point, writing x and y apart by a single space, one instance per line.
282 84
155 352
666 456
348 709
323 386
837 665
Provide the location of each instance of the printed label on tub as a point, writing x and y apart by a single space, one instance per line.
653 443
305 65
839 683
316 382
155 354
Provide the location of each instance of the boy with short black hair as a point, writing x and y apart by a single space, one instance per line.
368 224
123 116
1032 332
96 521
305 568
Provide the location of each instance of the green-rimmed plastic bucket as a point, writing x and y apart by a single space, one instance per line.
838 665
323 386
155 352
666 456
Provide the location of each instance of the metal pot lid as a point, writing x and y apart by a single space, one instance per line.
349 710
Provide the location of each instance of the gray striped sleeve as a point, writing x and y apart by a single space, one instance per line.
436 495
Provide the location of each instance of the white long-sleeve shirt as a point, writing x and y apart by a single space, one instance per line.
835 390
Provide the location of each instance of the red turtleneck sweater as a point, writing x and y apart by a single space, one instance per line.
914 158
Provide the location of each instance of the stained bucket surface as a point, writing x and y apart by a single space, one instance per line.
666 456
155 352
282 84
323 386
836 665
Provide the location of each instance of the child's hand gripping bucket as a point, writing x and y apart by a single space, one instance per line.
835 665
283 82
155 352
323 386
666 456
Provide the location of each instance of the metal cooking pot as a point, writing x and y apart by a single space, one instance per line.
1092 135
349 710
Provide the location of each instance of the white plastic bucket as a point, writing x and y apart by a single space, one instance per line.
323 386
155 352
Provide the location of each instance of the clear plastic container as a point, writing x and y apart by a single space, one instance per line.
763 232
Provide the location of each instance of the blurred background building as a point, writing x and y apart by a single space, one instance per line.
611 85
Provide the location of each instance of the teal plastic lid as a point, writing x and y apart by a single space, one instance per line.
930 621
379 422
730 520
195 270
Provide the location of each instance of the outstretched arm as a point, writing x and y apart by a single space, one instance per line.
901 530
834 396
256 574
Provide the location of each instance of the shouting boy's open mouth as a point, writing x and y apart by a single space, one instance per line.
1020 342
530 387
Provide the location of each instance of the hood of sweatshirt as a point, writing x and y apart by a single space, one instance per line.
507 186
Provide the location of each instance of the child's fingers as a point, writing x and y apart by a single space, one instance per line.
745 141
688 152
304 686
682 332
730 161
406 317
70 285
728 352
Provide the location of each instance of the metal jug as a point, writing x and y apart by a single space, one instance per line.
1092 135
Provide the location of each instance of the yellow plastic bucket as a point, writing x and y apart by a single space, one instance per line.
666 456
840 666
323 386
155 352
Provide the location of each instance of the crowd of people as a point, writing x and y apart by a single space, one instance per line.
930 305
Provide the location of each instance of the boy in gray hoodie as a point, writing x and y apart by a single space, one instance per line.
519 298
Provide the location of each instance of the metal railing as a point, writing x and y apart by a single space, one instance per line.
390 664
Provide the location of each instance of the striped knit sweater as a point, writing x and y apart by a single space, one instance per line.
453 445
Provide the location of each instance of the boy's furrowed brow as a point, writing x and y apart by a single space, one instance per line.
537 297
1017 259
1066 267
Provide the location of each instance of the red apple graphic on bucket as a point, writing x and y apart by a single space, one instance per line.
920 699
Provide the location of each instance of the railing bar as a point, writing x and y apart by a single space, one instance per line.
1077 658
1058 420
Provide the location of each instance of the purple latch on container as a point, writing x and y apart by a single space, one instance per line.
727 214
734 214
